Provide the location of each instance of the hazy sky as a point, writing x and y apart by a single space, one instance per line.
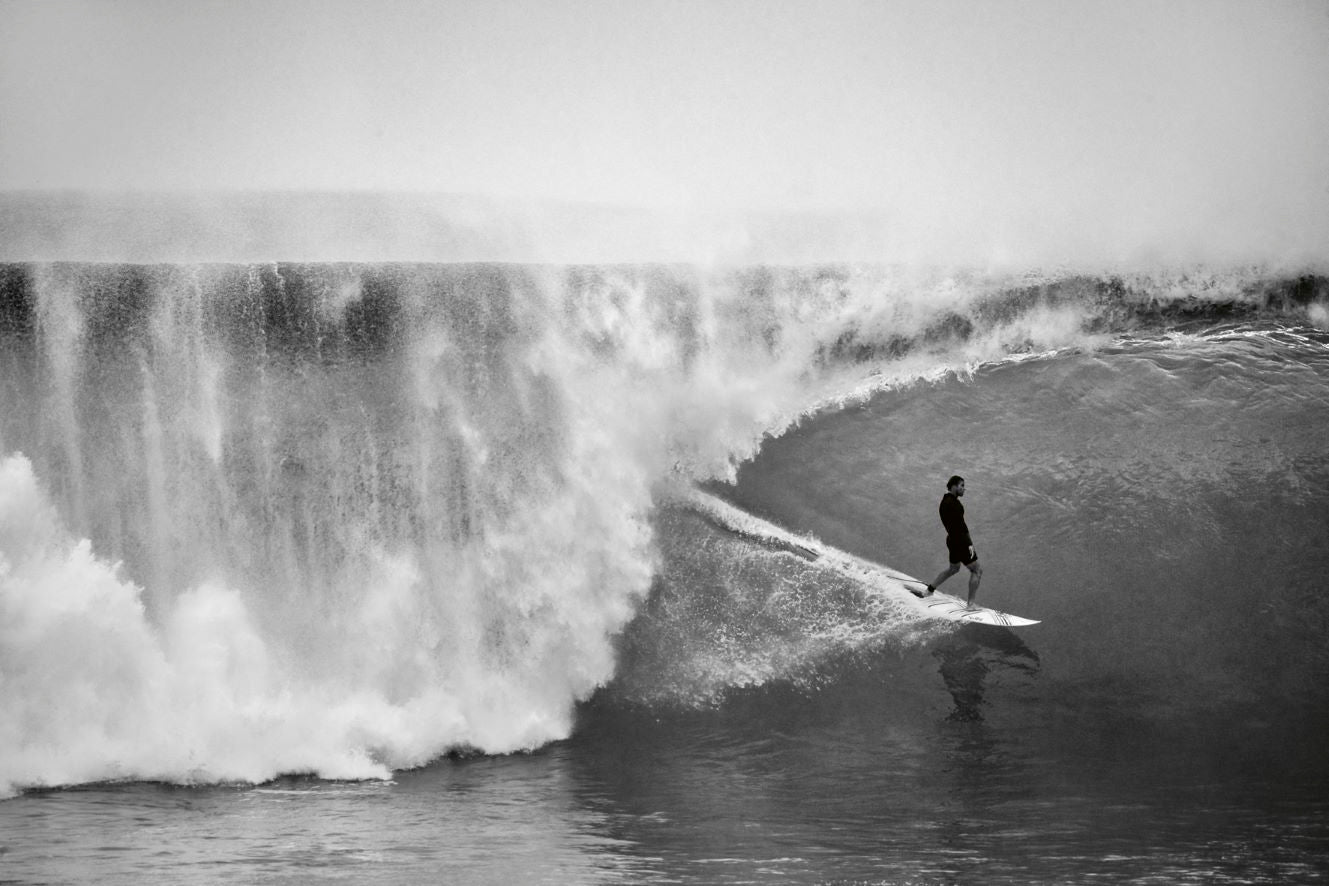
1020 119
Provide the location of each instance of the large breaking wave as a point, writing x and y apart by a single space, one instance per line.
343 519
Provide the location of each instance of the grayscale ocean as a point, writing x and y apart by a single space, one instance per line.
393 574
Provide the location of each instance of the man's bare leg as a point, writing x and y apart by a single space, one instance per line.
941 577
975 576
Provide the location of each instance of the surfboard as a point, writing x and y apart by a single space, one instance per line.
878 578
953 608
937 604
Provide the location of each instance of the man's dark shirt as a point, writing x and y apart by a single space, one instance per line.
952 517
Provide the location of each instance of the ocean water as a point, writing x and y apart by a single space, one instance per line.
398 574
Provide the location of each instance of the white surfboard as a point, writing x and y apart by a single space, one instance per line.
873 575
881 577
946 606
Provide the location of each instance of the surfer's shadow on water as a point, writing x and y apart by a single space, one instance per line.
974 657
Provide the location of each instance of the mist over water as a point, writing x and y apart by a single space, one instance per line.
934 230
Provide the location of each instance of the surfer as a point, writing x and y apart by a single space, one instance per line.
959 545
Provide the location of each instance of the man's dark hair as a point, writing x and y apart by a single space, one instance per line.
951 483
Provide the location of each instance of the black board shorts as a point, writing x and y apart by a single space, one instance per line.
959 551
